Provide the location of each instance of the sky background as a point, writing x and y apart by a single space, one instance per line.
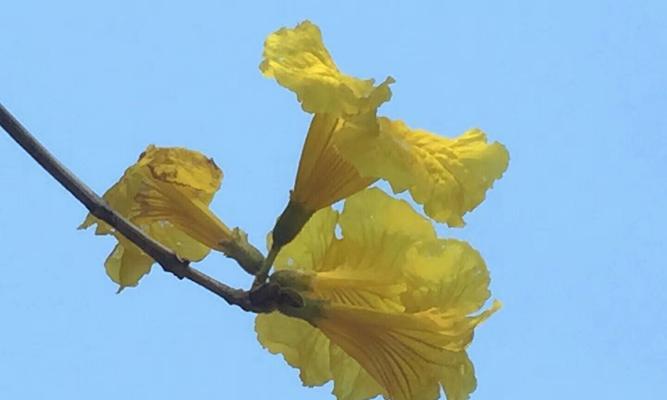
573 234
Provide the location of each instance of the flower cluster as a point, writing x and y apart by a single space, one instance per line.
385 306
348 146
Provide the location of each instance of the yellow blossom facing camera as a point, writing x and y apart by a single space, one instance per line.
348 147
166 193
389 307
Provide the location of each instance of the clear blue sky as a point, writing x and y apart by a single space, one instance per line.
574 234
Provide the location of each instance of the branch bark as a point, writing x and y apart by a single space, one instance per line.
169 261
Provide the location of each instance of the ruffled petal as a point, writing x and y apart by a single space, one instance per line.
448 176
448 275
297 59
192 171
377 231
371 216
302 345
185 168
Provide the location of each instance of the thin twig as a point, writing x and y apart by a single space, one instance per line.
169 261
263 273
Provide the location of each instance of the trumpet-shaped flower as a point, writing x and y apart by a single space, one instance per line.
389 308
166 193
448 176
348 147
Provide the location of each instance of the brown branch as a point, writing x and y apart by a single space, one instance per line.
169 261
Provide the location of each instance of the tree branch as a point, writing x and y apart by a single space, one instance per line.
169 261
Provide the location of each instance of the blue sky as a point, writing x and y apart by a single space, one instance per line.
573 234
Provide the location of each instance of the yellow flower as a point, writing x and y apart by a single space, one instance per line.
298 60
348 147
166 193
448 176
389 308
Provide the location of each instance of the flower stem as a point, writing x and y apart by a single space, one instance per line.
263 272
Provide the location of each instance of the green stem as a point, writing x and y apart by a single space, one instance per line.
290 223
263 273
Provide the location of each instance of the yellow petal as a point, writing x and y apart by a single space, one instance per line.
177 240
404 353
162 202
377 231
298 60
342 285
371 217
302 345
324 176
351 381
448 275
458 377
365 267
183 167
364 288
408 354
193 172
305 347
120 197
307 251
127 264
448 176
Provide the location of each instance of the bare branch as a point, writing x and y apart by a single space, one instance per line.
169 261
